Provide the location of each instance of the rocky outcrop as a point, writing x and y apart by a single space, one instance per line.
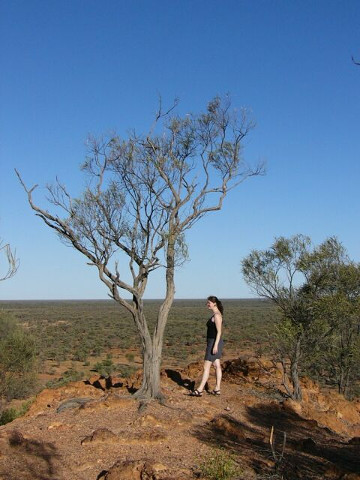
49 399
94 429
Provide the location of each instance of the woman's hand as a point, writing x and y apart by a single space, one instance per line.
215 349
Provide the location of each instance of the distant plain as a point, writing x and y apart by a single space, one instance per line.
73 336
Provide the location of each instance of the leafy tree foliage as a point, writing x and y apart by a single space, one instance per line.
338 307
317 293
144 192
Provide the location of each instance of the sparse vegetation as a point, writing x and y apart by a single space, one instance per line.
106 367
247 325
220 465
70 375
17 359
9 414
60 328
278 456
126 370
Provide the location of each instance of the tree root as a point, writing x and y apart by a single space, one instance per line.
144 401
143 404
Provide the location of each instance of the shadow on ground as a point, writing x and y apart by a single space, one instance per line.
104 383
177 378
311 451
31 460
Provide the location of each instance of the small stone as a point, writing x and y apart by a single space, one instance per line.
55 425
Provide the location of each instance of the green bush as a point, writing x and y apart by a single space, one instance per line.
70 375
220 465
81 354
130 356
127 370
9 414
17 360
19 386
105 368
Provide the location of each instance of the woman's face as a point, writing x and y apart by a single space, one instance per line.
210 305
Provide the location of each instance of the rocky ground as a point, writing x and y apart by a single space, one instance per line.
95 430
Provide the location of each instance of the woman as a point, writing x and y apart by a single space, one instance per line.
214 346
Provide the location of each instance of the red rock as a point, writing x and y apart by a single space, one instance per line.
50 398
101 435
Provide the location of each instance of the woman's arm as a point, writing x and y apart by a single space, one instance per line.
218 324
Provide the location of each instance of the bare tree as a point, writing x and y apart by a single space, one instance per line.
12 261
144 193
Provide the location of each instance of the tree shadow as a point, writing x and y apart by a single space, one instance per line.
311 452
131 389
102 474
309 446
177 378
31 459
107 381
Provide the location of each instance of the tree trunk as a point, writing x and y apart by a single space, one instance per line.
152 344
345 381
294 371
341 380
152 347
150 387
151 355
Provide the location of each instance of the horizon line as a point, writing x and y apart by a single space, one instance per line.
111 300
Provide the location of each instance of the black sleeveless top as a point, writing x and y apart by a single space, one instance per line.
211 328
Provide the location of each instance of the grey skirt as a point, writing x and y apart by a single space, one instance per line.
209 348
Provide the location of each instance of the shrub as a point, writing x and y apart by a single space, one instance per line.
19 386
105 368
70 375
17 360
9 414
81 354
130 357
220 465
127 370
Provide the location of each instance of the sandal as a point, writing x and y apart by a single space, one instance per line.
196 393
216 392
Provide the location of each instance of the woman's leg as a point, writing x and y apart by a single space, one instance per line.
205 377
218 373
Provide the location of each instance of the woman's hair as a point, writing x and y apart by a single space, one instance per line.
218 303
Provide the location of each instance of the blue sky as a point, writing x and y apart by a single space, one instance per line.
74 68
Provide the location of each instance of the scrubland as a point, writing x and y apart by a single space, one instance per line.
76 338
